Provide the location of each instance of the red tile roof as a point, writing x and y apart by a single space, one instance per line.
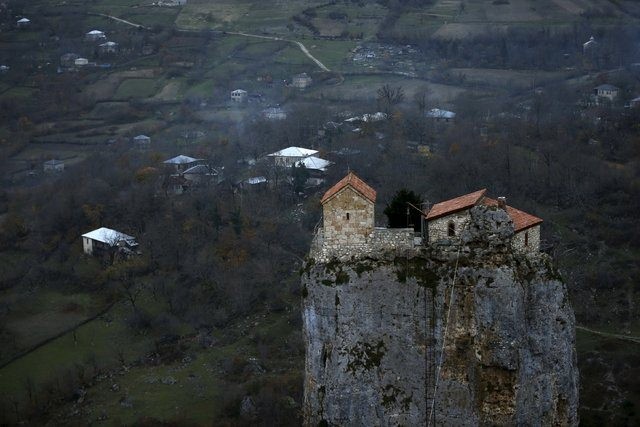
521 220
354 182
455 205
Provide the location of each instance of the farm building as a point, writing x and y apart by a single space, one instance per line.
4 69
53 166
23 23
290 156
105 239
81 62
635 102
239 95
142 141
448 219
95 35
301 81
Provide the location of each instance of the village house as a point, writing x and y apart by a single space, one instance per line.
253 183
182 163
104 240
635 102
289 156
108 47
446 220
141 142
68 60
274 113
175 184
606 92
589 46
239 95
202 175
4 69
440 115
53 166
317 169
23 23
301 81
94 35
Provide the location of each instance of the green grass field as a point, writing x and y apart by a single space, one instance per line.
136 88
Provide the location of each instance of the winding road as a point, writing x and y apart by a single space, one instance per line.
302 47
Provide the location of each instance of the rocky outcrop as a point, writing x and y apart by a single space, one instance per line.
455 334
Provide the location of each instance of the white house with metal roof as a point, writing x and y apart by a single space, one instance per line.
95 35
315 163
239 95
182 163
142 141
440 115
109 47
104 239
291 155
606 91
23 22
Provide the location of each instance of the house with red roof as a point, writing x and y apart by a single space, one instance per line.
447 219
348 211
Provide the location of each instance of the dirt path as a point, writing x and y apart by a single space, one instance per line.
124 21
300 45
609 335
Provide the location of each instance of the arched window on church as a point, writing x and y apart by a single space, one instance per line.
451 229
347 216
526 238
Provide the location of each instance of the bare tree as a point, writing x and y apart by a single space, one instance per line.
389 97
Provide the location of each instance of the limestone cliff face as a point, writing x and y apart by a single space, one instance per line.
379 351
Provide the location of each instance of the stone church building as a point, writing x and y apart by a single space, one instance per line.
349 223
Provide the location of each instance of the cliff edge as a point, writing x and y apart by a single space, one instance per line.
454 333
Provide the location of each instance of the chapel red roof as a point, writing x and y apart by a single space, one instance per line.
455 205
354 182
521 220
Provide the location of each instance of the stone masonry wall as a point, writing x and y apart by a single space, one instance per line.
438 228
517 243
396 240
338 230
